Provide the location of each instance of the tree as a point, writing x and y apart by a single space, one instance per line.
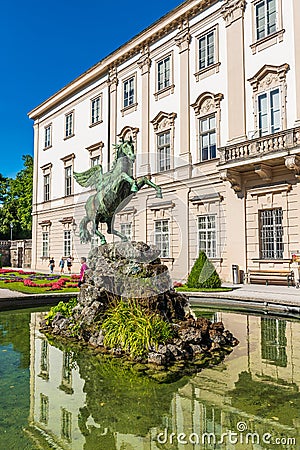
16 197
203 274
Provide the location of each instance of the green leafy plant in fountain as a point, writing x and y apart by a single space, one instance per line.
75 329
203 274
133 329
64 308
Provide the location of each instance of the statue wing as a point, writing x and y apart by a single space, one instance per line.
90 177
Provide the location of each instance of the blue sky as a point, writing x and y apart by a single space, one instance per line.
45 45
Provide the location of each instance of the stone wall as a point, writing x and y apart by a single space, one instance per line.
5 253
20 253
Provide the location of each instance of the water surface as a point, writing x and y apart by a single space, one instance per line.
57 396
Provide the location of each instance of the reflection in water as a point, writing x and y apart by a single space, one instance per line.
273 341
83 401
14 377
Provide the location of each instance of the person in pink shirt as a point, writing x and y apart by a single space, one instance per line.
83 268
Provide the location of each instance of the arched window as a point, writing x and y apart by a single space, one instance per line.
208 116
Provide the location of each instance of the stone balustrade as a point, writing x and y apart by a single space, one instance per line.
277 142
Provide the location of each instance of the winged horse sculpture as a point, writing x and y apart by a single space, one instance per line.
112 188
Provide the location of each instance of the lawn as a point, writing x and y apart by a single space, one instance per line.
36 283
187 289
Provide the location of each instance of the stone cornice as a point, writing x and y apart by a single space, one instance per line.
47 166
93 147
45 223
66 220
153 33
69 157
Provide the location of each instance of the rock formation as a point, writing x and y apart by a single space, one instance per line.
134 271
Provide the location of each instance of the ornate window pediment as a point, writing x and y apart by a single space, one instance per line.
268 77
128 132
163 121
207 103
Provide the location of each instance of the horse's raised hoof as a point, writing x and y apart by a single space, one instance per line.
159 194
134 188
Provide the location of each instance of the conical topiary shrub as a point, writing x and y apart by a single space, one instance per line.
203 274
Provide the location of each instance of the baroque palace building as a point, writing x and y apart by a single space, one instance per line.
210 94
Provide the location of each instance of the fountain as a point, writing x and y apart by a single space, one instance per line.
127 305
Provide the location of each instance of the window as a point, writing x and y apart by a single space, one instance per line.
45 244
95 161
66 380
269 99
269 115
128 92
48 136
164 73
273 341
95 110
163 151
207 134
126 230
68 181
44 362
206 50
207 235
67 243
69 125
46 188
265 15
162 240
44 414
271 233
66 424
164 127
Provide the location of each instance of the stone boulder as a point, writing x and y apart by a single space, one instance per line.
131 270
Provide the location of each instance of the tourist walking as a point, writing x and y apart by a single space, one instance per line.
62 264
83 268
51 264
69 263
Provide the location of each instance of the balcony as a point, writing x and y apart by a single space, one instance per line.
260 155
263 148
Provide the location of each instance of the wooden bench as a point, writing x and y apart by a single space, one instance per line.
260 276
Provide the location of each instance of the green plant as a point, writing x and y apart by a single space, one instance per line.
75 329
64 308
203 274
135 330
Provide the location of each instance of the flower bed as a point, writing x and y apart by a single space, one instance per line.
43 282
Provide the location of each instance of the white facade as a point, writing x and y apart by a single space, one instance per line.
202 61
